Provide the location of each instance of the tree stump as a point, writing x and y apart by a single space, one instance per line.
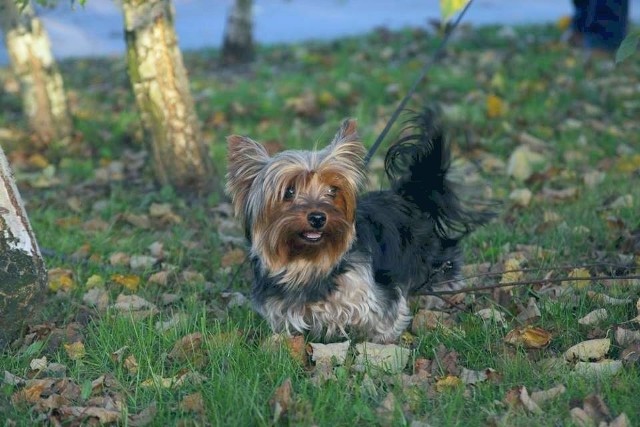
23 277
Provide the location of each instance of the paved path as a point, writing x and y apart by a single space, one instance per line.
96 29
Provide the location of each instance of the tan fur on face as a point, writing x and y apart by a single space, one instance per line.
257 184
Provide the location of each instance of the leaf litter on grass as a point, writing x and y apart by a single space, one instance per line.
560 153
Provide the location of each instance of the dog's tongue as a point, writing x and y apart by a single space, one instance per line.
312 235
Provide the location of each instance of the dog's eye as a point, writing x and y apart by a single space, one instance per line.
290 193
333 191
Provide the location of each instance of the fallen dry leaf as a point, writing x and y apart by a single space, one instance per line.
523 162
129 281
193 403
528 337
38 364
588 350
11 379
594 317
603 367
388 357
189 349
429 320
96 297
131 364
137 306
606 299
626 337
491 314
579 273
75 351
233 257
281 400
495 106
512 272
331 353
542 396
530 313
60 279
141 262
521 197
473 377
103 415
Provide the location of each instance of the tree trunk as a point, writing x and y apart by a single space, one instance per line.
161 86
238 36
43 97
23 277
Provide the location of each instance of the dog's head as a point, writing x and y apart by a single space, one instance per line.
298 207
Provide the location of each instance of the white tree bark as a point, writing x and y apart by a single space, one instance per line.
43 97
238 35
161 86
22 273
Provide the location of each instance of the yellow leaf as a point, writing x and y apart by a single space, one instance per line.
75 351
447 383
60 279
448 8
580 273
94 281
563 23
628 164
129 281
528 337
495 106
512 271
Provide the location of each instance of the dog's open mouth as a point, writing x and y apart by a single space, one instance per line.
311 236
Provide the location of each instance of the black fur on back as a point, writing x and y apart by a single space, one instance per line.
417 167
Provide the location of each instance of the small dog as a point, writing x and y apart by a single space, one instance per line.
331 263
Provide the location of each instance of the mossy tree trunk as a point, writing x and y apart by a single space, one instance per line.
159 79
238 46
23 277
43 97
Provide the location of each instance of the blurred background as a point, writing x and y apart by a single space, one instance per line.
96 28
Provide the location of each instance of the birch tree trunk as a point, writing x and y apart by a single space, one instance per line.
161 86
43 97
23 277
237 46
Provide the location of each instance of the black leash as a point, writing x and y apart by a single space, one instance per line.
421 76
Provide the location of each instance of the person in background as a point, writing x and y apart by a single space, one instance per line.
599 26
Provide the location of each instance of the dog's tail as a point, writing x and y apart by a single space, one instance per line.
417 166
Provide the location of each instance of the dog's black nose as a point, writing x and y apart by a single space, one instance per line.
317 219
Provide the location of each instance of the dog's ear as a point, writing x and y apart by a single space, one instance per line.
346 153
348 132
246 158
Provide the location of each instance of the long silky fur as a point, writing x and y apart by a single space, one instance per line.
406 239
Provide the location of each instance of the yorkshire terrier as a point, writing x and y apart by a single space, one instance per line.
332 263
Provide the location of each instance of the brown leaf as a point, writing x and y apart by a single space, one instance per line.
144 417
281 400
131 364
429 320
233 257
448 382
528 337
104 416
193 403
542 396
189 349
75 351
626 337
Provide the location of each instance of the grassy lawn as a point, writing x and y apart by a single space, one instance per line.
193 353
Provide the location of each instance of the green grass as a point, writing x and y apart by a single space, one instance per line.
543 85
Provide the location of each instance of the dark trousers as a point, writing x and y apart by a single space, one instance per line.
603 23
